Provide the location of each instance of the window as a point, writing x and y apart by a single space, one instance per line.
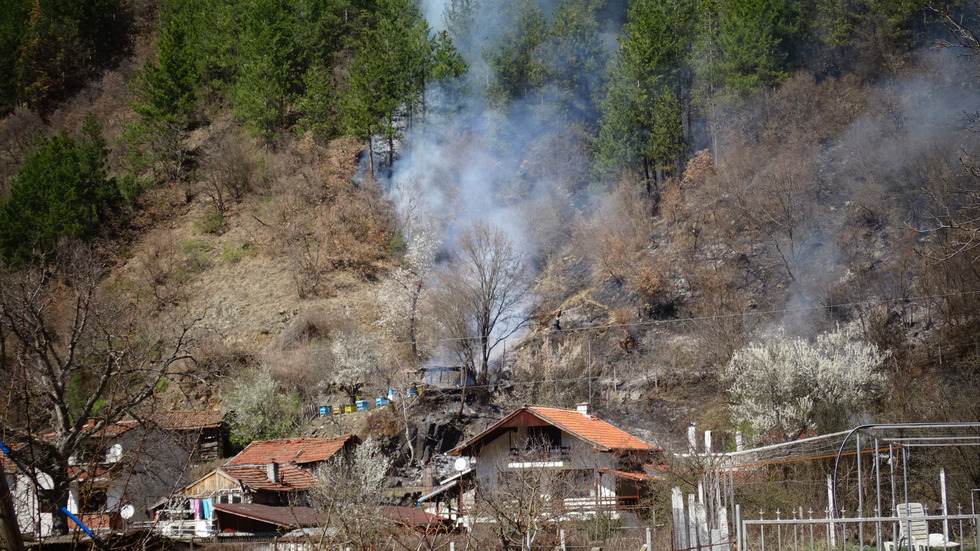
548 437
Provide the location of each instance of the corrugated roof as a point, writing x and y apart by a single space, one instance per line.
290 450
189 420
290 477
280 516
599 433
437 491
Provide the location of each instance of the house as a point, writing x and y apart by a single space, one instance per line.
577 466
204 433
118 473
271 473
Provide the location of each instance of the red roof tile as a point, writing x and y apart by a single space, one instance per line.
109 431
290 477
189 420
585 427
290 450
592 429
280 516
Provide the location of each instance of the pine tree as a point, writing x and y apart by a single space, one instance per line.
750 39
62 190
517 71
642 113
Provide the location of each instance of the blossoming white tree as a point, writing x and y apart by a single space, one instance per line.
349 494
260 411
784 386
402 293
357 358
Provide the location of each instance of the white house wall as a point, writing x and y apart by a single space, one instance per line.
495 457
24 495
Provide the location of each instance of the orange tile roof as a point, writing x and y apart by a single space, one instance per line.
290 477
599 433
189 420
592 429
290 450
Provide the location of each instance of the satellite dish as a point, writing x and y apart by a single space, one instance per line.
127 511
462 464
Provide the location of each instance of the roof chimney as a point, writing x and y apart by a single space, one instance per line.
272 471
583 408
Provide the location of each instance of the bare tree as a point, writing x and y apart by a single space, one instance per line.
522 503
482 297
75 359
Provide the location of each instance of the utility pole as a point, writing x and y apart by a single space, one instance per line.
9 530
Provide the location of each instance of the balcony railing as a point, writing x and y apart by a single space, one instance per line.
549 456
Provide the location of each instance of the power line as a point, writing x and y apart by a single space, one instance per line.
714 317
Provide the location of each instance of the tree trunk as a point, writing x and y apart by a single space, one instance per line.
647 176
391 151
371 155
9 530
412 320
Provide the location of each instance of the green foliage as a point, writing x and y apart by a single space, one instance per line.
388 72
164 97
262 90
258 410
196 257
162 385
641 113
575 58
13 14
396 243
61 190
751 43
49 46
211 221
318 102
517 71
231 253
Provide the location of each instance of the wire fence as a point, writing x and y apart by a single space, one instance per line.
881 533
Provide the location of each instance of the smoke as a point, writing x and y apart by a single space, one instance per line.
519 162
512 164
879 172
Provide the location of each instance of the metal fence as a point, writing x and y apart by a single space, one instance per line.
856 533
